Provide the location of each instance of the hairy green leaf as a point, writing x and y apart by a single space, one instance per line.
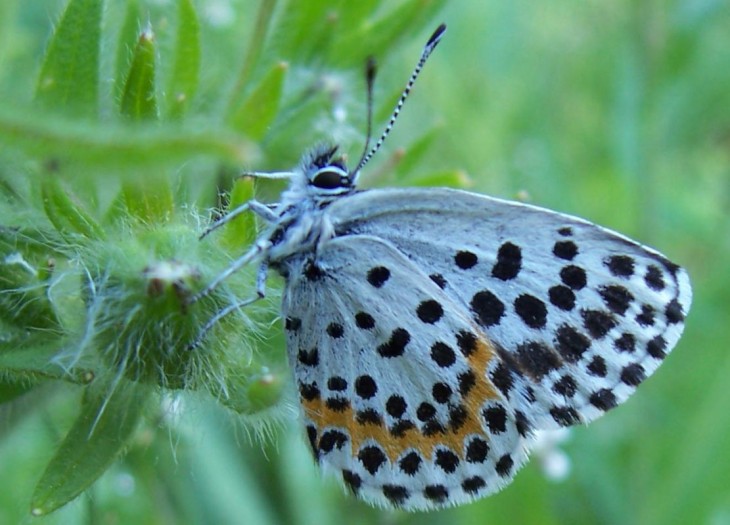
69 77
139 101
113 147
126 44
66 212
186 61
101 431
254 116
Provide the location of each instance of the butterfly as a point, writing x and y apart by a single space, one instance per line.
433 331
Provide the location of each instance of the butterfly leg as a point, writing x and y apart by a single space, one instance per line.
262 210
217 317
260 294
259 247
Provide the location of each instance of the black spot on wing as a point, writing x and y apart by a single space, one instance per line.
396 345
509 262
487 308
378 276
465 259
620 265
531 310
565 250
536 359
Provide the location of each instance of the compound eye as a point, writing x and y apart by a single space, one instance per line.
329 179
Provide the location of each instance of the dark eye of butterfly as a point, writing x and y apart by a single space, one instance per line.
329 179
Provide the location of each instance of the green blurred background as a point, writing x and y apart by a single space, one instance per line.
618 112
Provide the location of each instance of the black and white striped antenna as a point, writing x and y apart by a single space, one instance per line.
370 77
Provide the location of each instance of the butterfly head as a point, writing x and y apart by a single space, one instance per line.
326 173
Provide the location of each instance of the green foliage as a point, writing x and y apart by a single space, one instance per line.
69 77
121 123
105 423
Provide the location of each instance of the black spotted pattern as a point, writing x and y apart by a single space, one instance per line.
565 386
432 428
502 378
654 278
633 374
335 330
337 404
571 344
378 275
396 494
332 439
312 439
536 359
504 465
309 392
430 311
487 308
337 384
467 380
436 493
565 250
467 342
646 317
674 312
352 481
457 417
574 277
509 262
496 419
364 321
369 416
562 297
531 310
603 399
597 367
565 416
617 298
442 354
396 406
620 265
438 279
425 411
396 345
465 259
401 427
441 392
372 458
365 386
522 424
597 322
477 450
657 347
473 485
410 463
625 343
308 358
447 460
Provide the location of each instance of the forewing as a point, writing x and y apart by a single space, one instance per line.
393 378
579 315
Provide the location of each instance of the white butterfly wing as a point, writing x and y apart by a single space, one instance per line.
393 379
577 312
